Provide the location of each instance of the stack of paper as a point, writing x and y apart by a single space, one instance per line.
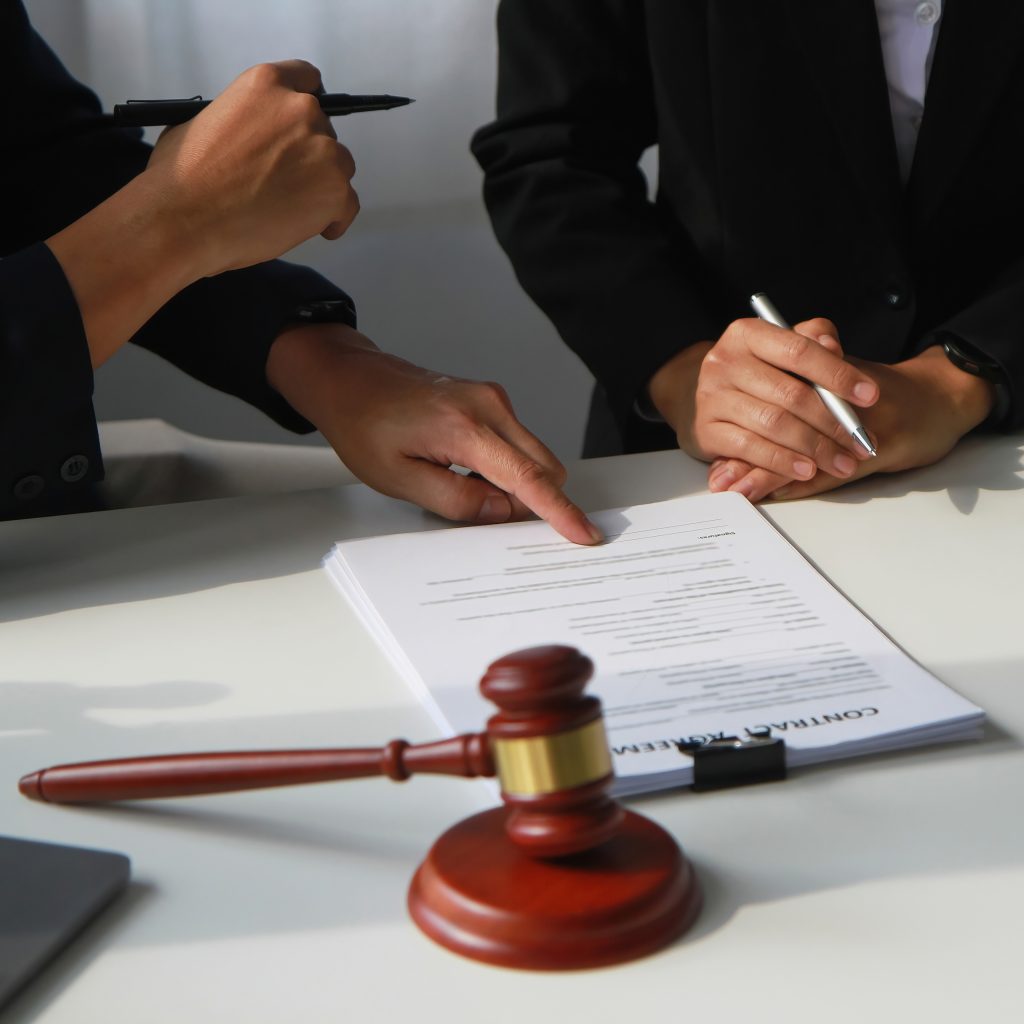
701 619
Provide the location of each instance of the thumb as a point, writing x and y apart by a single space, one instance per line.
462 498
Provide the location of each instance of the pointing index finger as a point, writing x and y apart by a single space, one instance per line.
529 482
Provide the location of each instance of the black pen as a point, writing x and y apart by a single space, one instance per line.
143 113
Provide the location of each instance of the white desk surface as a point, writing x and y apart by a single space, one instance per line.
888 888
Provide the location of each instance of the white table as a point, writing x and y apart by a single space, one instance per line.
886 888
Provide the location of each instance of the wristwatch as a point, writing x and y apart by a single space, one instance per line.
967 358
325 311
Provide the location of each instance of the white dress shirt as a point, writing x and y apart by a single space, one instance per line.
909 29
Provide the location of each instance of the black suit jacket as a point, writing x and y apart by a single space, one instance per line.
777 172
60 157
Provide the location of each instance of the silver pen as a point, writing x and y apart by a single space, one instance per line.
842 411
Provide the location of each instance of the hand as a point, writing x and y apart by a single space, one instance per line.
400 428
738 399
926 406
257 172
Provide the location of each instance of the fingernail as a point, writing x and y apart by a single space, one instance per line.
595 532
781 493
844 464
721 478
744 487
864 391
804 470
495 509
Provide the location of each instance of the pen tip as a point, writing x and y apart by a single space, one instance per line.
861 436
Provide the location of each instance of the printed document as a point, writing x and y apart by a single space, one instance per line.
702 621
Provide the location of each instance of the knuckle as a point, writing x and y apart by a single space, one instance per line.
307 107
737 333
843 378
775 460
789 393
263 75
528 473
495 394
796 347
346 161
713 361
491 391
743 446
771 417
815 326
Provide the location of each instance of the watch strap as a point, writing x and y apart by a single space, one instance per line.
969 359
325 311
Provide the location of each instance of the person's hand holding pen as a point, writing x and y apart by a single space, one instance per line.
254 174
257 171
926 405
740 402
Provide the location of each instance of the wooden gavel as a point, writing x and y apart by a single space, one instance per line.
547 746
596 865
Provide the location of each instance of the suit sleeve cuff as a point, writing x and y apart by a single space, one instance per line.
220 329
50 450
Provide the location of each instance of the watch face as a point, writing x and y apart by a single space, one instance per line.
326 311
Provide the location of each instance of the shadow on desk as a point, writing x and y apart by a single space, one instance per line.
856 822
369 820
925 813
974 466
53 565
123 555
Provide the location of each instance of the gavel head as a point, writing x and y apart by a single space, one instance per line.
550 751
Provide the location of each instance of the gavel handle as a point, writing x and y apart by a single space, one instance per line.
146 778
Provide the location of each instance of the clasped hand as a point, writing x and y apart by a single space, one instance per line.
740 404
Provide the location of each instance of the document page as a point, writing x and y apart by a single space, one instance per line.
701 619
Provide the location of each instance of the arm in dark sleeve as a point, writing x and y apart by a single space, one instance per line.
568 202
220 329
991 326
57 168
49 451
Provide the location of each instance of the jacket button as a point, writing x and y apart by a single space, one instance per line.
29 487
896 298
73 469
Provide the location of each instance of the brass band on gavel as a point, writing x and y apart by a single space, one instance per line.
534 765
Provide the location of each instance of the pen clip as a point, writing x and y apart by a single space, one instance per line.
184 99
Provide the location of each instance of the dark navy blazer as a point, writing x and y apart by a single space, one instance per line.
60 156
777 172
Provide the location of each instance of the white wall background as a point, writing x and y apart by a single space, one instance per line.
430 282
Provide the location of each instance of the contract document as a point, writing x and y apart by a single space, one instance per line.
702 621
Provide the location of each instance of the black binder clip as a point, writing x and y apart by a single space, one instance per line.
731 761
